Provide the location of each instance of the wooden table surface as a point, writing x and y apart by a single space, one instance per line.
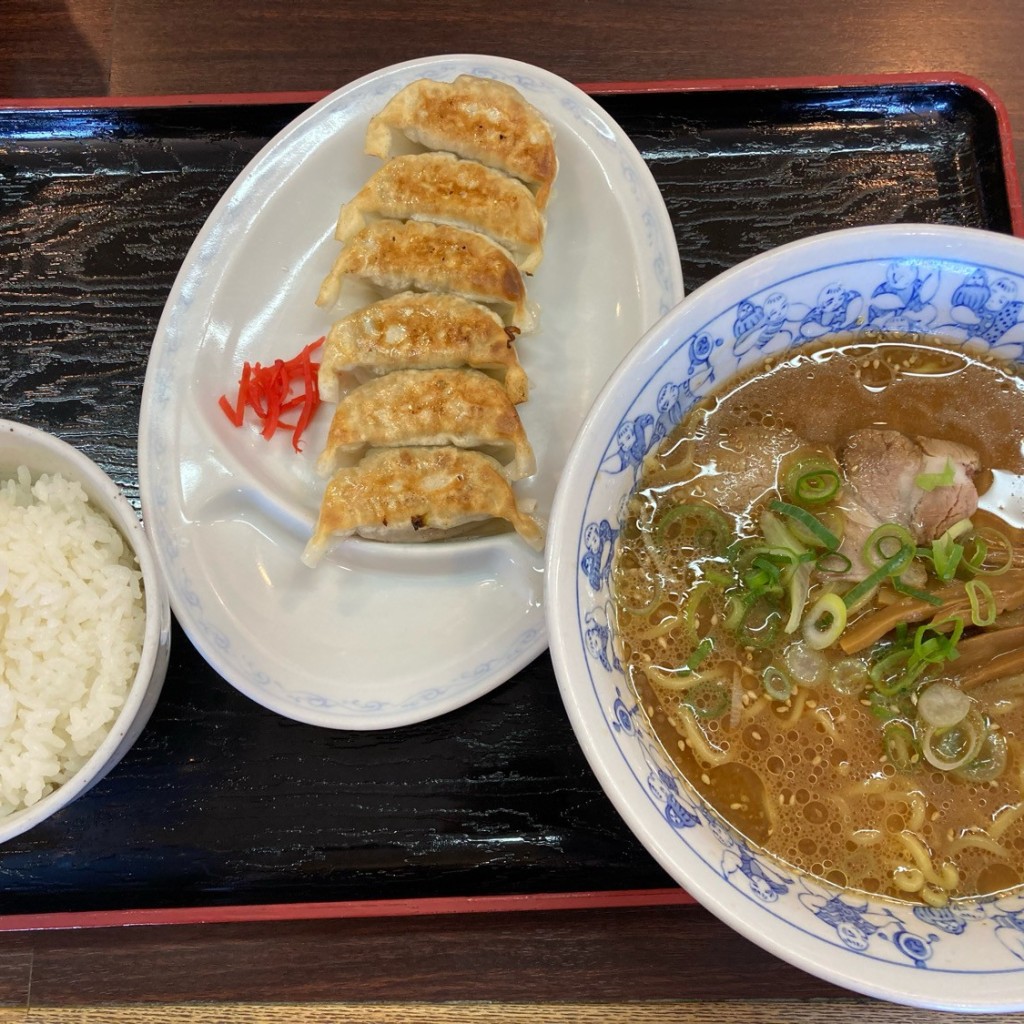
640 964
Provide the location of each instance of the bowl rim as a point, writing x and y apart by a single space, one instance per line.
149 676
950 244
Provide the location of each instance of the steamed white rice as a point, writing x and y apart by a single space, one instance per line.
72 622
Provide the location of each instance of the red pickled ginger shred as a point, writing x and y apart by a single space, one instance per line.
277 391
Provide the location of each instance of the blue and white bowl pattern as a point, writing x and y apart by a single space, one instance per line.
969 304
962 284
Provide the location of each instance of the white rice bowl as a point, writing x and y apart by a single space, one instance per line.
84 626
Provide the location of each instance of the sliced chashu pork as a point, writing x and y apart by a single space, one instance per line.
882 469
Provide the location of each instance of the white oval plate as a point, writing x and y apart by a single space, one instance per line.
379 635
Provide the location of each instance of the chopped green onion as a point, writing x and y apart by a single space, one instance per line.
812 480
955 633
892 566
735 608
946 555
989 762
830 517
815 527
711 528
916 593
894 673
799 588
900 667
744 556
776 683
931 481
742 548
883 707
707 699
779 536
805 665
700 652
975 559
943 705
825 621
764 577
849 676
985 538
945 552
899 744
833 563
698 594
719 579
817 487
796 560
978 591
886 542
933 647
959 528
950 748
757 621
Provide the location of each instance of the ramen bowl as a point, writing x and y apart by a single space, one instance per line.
963 285
43 454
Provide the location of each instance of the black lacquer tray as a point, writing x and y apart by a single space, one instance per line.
226 809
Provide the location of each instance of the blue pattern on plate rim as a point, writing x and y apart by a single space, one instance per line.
370 708
161 444
973 305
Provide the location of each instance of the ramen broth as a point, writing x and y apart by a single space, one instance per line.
825 757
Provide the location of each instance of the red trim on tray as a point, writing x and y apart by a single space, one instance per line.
1013 188
350 909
